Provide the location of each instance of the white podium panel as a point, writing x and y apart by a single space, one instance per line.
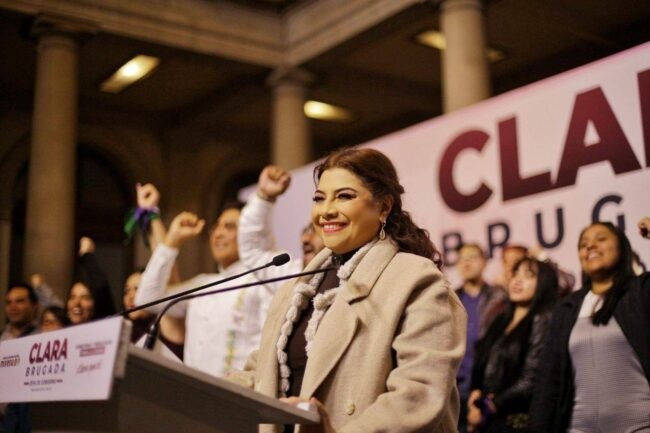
158 395
75 363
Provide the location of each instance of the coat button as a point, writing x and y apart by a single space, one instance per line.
349 407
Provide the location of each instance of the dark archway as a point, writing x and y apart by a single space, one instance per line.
103 199
103 196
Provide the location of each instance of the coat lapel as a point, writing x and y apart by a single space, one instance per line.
339 324
268 373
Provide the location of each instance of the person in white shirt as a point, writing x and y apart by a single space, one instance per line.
256 240
222 329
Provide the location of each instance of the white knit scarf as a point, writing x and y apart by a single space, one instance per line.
302 294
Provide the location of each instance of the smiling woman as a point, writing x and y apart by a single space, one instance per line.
380 193
387 308
595 371
80 304
345 213
90 296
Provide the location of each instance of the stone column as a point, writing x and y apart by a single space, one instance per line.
290 137
465 67
49 238
5 250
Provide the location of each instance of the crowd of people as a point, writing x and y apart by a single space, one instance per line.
376 339
34 307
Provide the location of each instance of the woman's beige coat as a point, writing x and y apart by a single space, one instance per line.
386 353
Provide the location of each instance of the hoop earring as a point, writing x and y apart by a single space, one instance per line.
382 232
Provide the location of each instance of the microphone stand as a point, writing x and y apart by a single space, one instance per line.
278 260
154 329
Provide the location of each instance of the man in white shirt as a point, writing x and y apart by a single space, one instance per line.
221 329
256 241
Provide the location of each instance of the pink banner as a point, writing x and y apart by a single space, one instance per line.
533 166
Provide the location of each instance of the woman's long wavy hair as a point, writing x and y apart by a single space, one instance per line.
623 273
542 303
378 174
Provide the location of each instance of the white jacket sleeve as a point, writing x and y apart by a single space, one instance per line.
153 284
255 236
257 245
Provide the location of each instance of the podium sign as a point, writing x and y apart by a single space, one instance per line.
126 389
160 395
75 363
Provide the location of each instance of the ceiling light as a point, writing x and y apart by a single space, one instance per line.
435 39
134 70
494 55
332 113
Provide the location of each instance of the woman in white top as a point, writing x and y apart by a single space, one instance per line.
594 374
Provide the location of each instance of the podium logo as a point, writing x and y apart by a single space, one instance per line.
10 361
47 358
54 350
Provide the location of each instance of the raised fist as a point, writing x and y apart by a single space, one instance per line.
86 245
37 280
273 182
147 195
644 227
184 226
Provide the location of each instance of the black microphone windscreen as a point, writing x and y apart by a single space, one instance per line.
281 259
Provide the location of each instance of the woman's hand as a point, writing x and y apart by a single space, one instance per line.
273 182
325 425
86 246
37 280
644 227
473 413
147 195
185 225
473 396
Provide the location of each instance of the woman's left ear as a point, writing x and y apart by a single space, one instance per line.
386 207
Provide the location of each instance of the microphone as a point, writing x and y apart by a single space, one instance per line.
278 260
154 329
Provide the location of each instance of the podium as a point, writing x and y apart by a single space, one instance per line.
158 395
89 378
